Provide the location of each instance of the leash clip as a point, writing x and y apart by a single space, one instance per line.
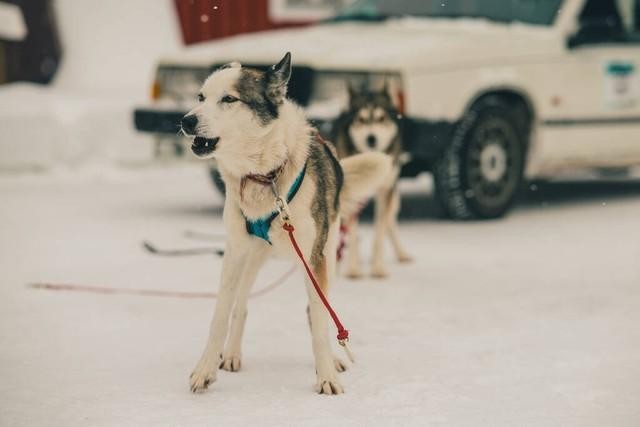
281 204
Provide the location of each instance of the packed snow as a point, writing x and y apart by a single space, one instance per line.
527 321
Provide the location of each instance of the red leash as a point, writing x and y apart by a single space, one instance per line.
344 231
343 334
283 209
152 292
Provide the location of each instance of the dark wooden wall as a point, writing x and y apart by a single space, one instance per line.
35 58
202 20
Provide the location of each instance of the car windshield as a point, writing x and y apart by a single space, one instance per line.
539 12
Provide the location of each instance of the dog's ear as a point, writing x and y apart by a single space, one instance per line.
385 88
277 78
351 89
354 93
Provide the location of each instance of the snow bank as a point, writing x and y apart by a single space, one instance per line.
85 116
41 128
12 26
114 44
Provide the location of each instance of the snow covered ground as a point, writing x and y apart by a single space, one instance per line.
528 321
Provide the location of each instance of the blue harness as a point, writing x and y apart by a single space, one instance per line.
260 227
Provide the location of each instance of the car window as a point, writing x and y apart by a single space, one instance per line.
608 21
537 12
630 15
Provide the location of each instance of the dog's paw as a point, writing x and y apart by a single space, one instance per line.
379 272
200 380
340 365
354 274
405 258
231 363
329 387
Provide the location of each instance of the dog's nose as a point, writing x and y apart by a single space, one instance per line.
371 141
189 123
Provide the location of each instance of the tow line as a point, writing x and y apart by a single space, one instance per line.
105 290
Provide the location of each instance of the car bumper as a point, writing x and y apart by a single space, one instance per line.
157 121
424 140
149 119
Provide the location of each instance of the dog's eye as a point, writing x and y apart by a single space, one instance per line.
201 97
228 99
380 119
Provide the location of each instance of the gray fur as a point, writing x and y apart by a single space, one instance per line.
327 174
252 87
264 91
277 78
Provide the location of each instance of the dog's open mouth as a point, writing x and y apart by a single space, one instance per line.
202 146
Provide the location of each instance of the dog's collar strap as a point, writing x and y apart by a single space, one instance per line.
262 179
260 227
268 178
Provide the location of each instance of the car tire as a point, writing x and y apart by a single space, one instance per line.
216 179
480 172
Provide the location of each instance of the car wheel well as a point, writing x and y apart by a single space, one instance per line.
516 101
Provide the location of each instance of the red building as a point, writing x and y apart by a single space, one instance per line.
202 20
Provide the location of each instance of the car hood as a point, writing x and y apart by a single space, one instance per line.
402 44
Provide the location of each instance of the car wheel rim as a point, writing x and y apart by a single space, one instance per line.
492 163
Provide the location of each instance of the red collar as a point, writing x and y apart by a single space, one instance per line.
263 179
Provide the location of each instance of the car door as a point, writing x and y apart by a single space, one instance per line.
598 124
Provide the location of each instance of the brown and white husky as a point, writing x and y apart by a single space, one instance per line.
263 145
371 124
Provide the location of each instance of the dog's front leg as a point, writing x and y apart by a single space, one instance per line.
232 355
327 375
382 211
207 368
401 253
354 263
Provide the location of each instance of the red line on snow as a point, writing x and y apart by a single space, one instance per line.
152 292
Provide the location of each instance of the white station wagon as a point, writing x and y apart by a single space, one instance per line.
492 92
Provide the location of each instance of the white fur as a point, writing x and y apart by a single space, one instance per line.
245 146
364 174
248 147
372 122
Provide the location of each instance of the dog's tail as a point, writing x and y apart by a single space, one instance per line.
363 175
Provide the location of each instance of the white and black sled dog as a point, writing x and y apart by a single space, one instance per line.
371 124
264 146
